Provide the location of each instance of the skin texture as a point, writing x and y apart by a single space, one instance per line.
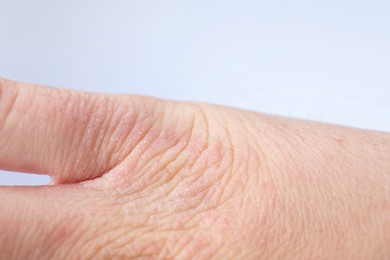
138 177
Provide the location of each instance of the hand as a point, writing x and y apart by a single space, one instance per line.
137 177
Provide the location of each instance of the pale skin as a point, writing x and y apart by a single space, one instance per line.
137 177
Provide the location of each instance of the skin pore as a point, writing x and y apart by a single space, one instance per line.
138 177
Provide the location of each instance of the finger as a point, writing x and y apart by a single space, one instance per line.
71 136
39 222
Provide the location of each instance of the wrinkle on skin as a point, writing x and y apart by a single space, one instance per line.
105 135
193 194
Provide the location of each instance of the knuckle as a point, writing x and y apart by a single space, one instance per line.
190 155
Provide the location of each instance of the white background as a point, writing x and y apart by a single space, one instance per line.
320 60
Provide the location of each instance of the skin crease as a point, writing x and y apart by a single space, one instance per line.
137 177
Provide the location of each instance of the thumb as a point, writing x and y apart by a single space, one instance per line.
71 136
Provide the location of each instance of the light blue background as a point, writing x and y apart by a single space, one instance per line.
321 60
